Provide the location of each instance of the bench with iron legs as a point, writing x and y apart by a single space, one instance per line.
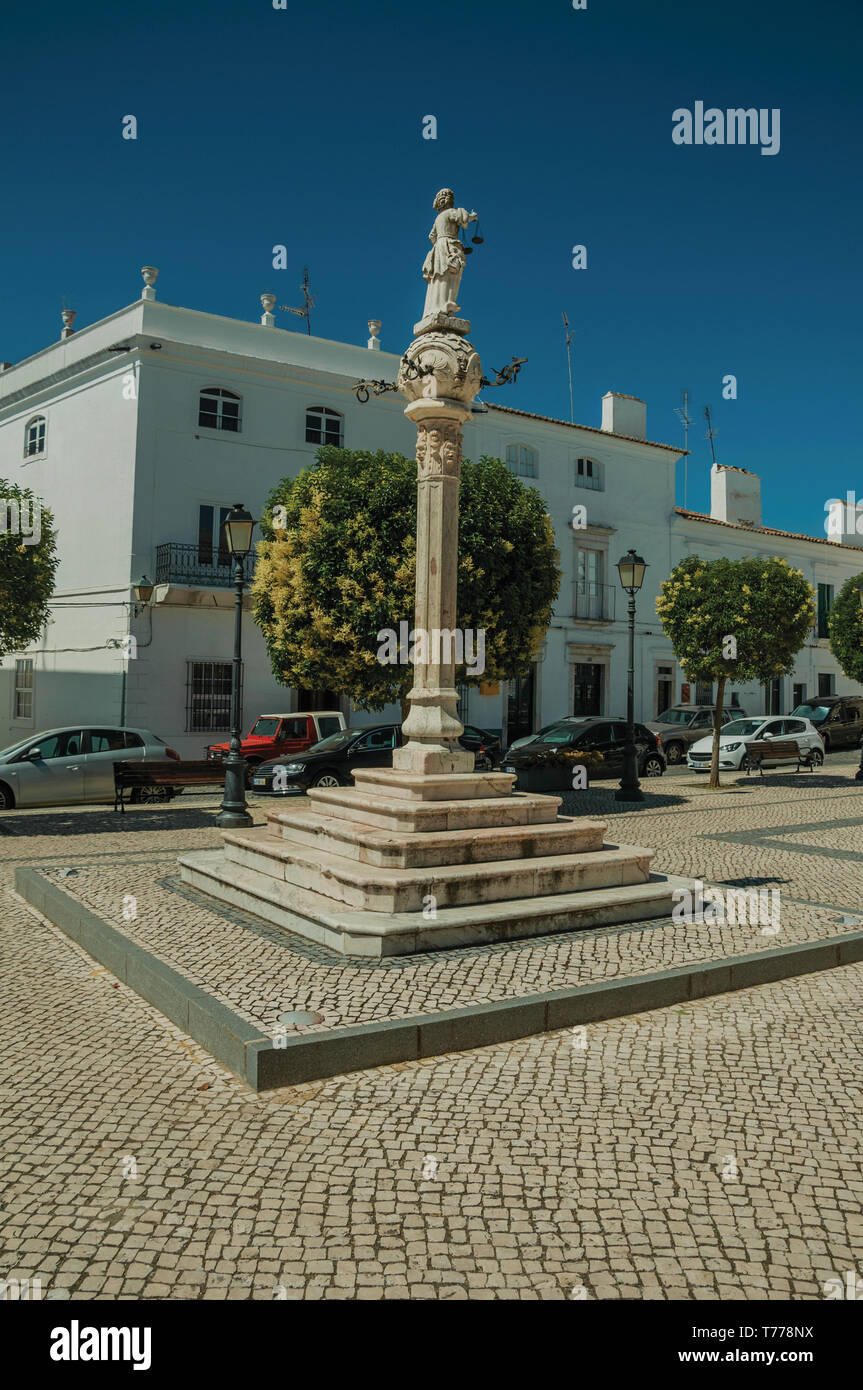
780 750
149 777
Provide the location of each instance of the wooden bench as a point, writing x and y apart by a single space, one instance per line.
128 776
779 749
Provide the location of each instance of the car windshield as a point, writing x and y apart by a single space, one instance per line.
265 727
742 726
336 740
817 713
561 731
6 753
675 716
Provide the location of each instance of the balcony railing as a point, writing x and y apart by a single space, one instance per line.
595 602
198 566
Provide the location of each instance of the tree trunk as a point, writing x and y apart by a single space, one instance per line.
717 725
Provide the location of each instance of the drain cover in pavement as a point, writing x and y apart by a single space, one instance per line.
298 1018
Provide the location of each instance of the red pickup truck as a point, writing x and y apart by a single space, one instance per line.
273 735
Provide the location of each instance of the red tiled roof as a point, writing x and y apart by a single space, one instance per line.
766 530
591 429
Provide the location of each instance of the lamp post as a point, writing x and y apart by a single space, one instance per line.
234 813
631 570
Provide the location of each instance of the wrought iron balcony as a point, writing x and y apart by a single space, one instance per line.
594 602
198 566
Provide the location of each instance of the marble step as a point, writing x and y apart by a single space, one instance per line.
369 844
375 935
399 814
433 786
373 888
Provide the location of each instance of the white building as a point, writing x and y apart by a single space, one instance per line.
141 430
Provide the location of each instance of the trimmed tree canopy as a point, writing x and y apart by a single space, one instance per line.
27 566
341 568
845 628
735 620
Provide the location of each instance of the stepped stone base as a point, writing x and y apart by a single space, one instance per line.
353 932
402 863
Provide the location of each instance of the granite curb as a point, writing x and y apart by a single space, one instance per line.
244 1049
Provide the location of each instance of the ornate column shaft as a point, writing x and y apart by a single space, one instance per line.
445 379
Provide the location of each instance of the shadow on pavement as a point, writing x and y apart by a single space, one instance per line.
97 822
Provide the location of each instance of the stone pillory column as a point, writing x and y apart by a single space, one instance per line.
440 375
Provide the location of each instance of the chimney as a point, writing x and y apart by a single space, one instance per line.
4 366
374 342
844 520
624 415
735 495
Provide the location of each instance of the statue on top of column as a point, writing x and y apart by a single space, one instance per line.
445 262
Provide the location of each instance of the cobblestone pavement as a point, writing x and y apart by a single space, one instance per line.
702 1152
753 835
709 1151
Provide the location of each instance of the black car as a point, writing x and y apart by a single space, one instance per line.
601 740
333 761
838 719
485 747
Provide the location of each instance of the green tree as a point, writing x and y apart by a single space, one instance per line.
735 620
845 628
337 565
26 570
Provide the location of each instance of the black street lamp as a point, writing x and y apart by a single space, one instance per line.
234 813
631 570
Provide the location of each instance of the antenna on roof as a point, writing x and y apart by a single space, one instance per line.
711 432
682 413
304 313
569 337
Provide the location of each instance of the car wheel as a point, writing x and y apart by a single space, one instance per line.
817 757
326 779
652 767
7 798
826 743
148 795
674 752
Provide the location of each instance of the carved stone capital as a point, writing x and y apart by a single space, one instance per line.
438 449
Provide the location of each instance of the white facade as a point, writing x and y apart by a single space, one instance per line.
127 466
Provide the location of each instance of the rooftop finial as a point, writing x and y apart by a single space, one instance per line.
268 303
151 275
68 317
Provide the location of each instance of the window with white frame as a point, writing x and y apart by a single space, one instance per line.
522 460
219 409
23 689
34 436
588 473
324 426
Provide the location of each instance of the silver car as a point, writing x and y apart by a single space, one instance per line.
64 766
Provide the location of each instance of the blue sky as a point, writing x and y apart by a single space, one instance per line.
303 126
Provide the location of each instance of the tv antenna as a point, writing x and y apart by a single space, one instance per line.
711 432
682 413
304 313
569 337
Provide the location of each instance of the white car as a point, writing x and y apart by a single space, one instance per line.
62 767
736 736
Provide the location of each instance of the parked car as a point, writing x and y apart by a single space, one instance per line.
485 747
601 740
736 736
838 719
277 735
64 766
333 761
681 725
